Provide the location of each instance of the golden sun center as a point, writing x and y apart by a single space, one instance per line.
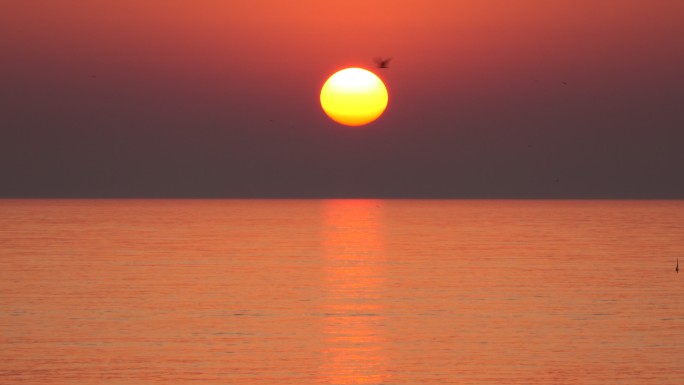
354 97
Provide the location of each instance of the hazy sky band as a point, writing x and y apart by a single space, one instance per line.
211 98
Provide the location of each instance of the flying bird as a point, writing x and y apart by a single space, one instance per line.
677 267
382 63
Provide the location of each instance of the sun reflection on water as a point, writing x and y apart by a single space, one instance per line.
353 314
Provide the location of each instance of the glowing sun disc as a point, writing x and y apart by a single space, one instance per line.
354 97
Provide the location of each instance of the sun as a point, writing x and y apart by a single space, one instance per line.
354 97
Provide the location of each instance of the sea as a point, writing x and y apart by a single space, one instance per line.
297 292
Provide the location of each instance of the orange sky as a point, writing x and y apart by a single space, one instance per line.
465 69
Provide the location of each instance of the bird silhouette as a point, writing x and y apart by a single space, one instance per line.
382 63
677 267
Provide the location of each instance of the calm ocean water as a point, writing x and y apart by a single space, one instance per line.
289 292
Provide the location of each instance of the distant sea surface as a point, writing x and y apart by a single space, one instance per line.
296 292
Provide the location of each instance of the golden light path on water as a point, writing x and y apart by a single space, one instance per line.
353 255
